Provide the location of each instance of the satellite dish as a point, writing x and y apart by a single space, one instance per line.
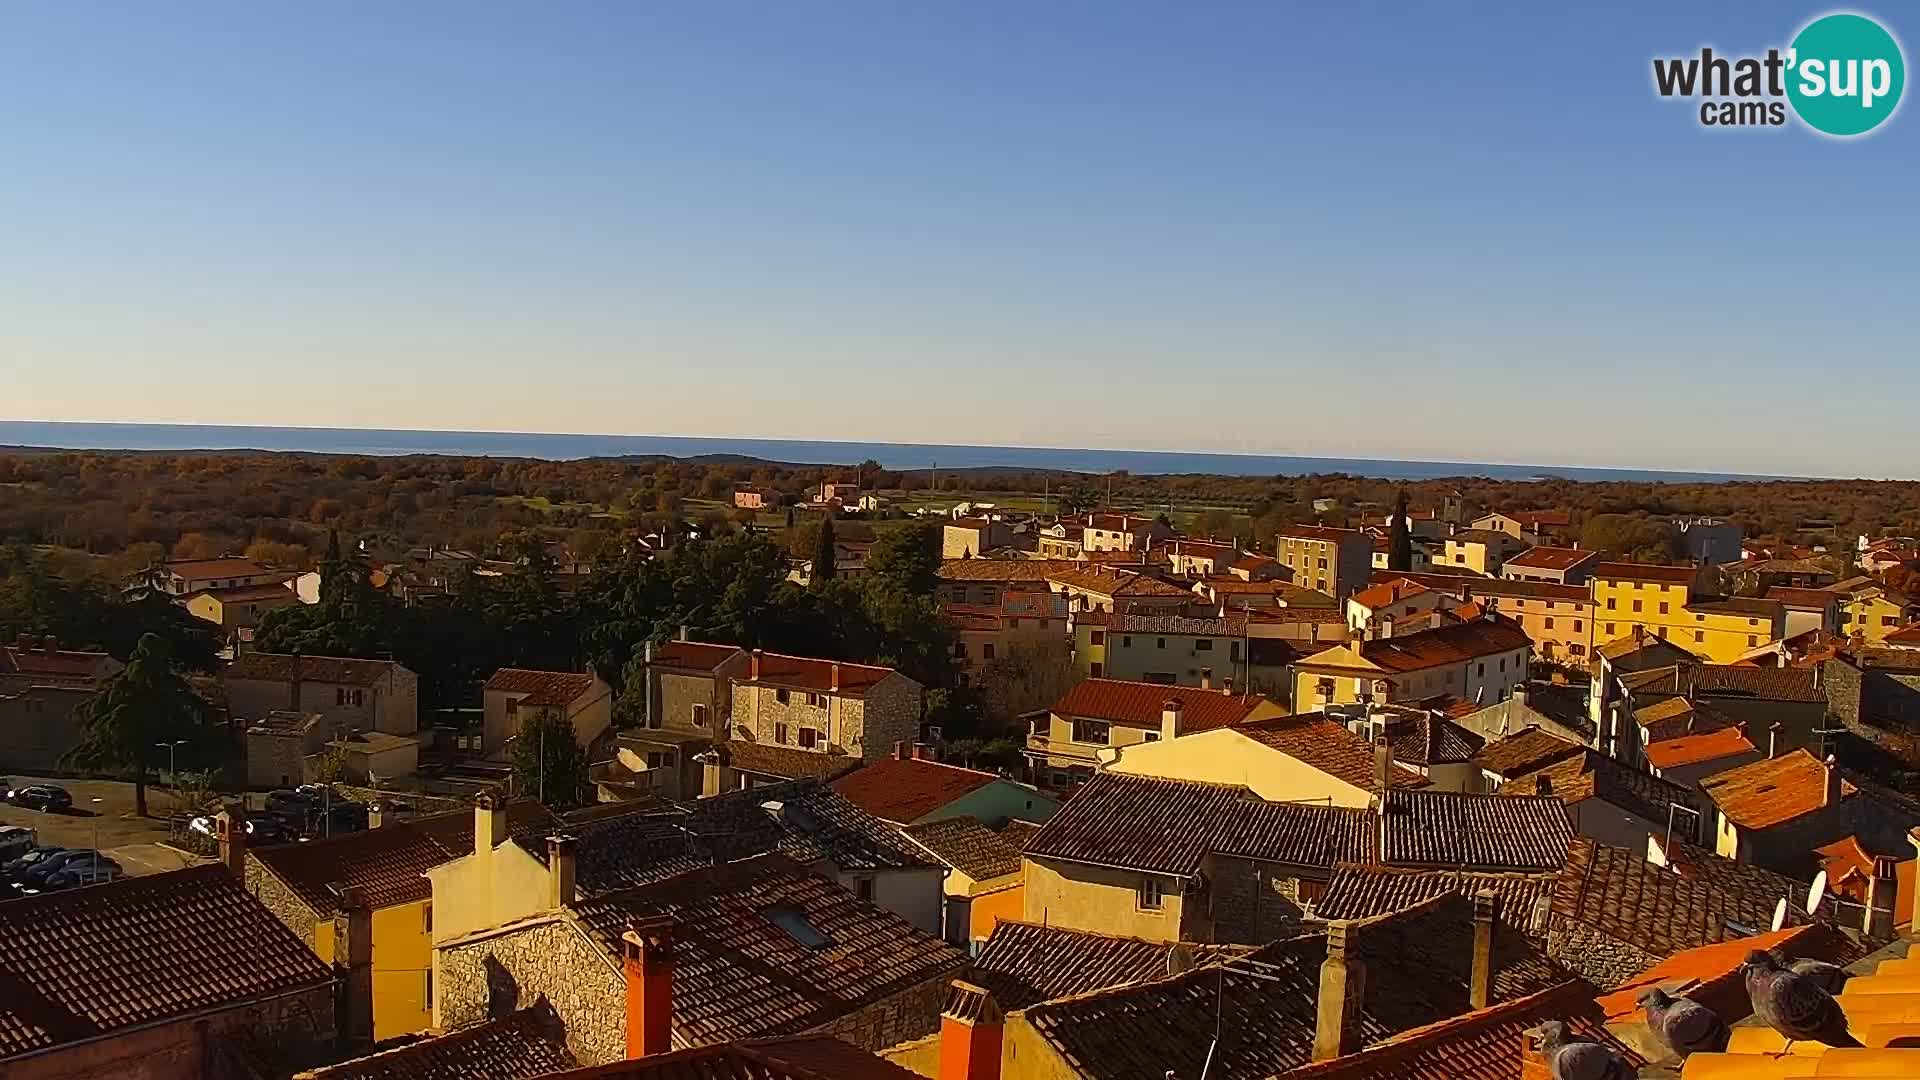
1817 892
1780 913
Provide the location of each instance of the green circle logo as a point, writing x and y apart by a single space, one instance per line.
1845 74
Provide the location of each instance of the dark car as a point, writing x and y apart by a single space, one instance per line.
43 797
37 874
18 866
83 872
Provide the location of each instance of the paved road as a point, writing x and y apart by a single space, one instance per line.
138 859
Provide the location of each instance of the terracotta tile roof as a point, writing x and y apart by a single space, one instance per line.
1619 893
1592 775
1035 570
1421 738
1739 605
1524 751
220 568
1773 684
1297 613
279 667
1638 652
526 1043
1109 582
970 847
1771 791
1482 1045
1325 744
1387 593
1321 533
1713 971
767 947
1417 966
1677 716
1170 826
1486 586
1692 749
1139 704
387 864
240 594
784 762
693 655
1361 892
1233 625
1799 598
1454 644
803 820
805 1057
1026 963
1552 558
1479 832
85 962
903 792
1629 571
1255 562
1906 635
61 663
1850 865
807 673
541 687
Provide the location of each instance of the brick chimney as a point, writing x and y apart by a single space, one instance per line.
1881 897
972 1029
489 822
902 750
1831 796
1170 714
230 825
1486 912
646 960
753 666
1382 766
833 683
560 871
1336 1031
353 956
51 644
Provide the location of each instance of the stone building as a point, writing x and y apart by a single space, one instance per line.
512 696
184 977
41 688
715 954
824 706
687 708
370 695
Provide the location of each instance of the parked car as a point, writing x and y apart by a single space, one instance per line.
15 841
83 872
37 874
19 865
260 830
43 797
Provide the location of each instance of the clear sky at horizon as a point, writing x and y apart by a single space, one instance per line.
1443 232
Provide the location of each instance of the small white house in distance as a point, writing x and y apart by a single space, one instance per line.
306 586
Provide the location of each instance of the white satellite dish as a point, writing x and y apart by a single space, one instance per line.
1780 913
1817 892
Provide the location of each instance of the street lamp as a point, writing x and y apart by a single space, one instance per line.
96 835
173 774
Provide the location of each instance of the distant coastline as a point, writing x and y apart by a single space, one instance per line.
58 435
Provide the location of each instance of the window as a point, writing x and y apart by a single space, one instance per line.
1013 623
1234 652
659 759
986 651
426 917
1320 564
959 650
339 695
1548 621
780 733
1126 642
809 738
1090 731
1324 688
699 716
1098 669
1576 626
1503 663
1577 650
863 888
1610 630
1482 669
1699 636
1151 736
1206 644
1150 897
781 696
427 988
1159 643
1752 640
1636 604
1609 603
1888 620
1663 607
1099 637
819 701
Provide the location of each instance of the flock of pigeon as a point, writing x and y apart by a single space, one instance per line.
1794 998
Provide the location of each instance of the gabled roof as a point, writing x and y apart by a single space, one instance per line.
231 566
1469 831
1362 892
1802 599
1417 966
766 947
803 1057
91 961
240 594
59 663
1693 749
1475 585
1170 826
1457 643
1003 570
1481 1045
693 655
1025 963
1593 775
783 762
1552 558
970 847
1421 738
541 687
1619 893
1387 593
1524 751
1113 582
280 667
1630 571
1139 704
525 1043
1325 744
903 792
387 864
818 676
1771 791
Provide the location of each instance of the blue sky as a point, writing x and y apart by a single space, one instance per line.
1461 232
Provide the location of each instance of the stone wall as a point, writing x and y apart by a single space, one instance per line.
1601 959
286 905
275 759
492 976
911 1014
1253 902
275 1036
678 694
890 714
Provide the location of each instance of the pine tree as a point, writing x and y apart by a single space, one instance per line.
823 550
1400 537
140 706
548 764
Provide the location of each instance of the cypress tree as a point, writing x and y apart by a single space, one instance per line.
823 549
1400 537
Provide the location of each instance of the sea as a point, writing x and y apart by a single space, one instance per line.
897 456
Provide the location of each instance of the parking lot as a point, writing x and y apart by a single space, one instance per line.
110 824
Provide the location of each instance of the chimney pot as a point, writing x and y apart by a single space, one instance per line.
646 961
1486 912
1206 678
1831 797
231 827
1342 982
353 949
922 752
376 814
489 822
52 643
753 666
1170 715
972 1029
560 870
834 685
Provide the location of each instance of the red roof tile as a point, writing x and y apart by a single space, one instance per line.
541 687
1452 644
1771 791
903 792
61 663
1552 558
804 1057
527 1043
695 655
1139 704
1326 745
1713 971
807 673
1693 749
1628 571
215 568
